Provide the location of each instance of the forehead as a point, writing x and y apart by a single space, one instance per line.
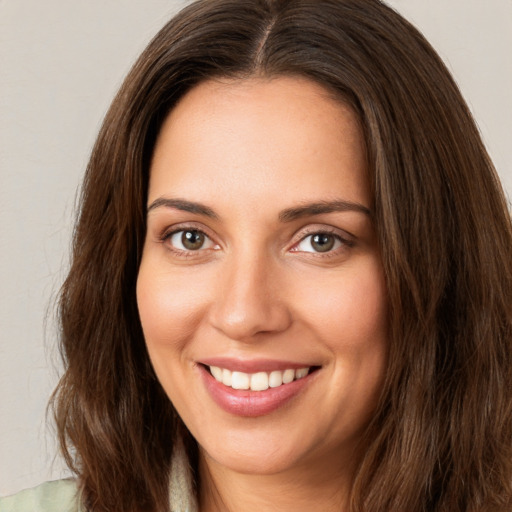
281 137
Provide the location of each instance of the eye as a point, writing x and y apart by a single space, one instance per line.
190 240
319 242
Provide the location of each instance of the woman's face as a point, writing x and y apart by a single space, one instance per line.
260 265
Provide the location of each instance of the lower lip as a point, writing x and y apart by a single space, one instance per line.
249 403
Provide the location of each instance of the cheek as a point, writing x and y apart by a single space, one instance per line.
349 308
353 325
170 308
168 320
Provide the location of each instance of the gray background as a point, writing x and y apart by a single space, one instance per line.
61 62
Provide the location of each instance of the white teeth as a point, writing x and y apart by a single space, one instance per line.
275 379
217 372
240 380
301 373
259 381
288 376
226 377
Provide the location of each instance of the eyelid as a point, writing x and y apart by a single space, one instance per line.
175 242
184 226
346 238
170 231
314 229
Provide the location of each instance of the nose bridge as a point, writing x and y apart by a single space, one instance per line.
248 300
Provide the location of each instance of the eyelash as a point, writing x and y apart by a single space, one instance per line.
167 237
343 242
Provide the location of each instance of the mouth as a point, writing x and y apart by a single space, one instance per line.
258 381
256 387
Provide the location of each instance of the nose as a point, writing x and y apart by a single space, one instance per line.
250 300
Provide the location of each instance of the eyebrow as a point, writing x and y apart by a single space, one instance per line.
287 215
183 205
291 214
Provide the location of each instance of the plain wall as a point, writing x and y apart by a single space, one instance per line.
61 62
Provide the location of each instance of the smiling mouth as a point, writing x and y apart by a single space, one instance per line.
259 381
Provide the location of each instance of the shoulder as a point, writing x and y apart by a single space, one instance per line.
57 496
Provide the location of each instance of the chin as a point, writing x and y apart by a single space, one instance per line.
268 461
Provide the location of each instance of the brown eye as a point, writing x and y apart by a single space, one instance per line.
190 240
320 243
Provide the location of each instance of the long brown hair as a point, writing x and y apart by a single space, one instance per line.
441 437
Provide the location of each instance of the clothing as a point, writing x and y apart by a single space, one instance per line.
57 496
62 495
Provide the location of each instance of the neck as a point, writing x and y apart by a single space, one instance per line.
298 489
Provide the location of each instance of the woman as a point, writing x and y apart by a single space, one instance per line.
291 285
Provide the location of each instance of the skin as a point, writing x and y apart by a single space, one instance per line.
259 289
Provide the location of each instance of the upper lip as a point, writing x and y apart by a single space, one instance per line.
253 365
